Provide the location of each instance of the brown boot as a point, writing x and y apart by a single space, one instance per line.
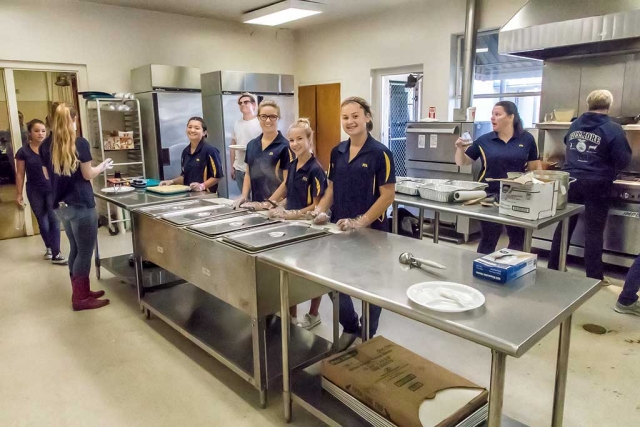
93 294
81 299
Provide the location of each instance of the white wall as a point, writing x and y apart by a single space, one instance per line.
112 40
347 51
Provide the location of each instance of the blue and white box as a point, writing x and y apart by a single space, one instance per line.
504 265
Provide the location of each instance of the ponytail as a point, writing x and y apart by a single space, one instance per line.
512 110
364 105
63 148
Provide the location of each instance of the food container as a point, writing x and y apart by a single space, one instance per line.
407 187
563 114
443 191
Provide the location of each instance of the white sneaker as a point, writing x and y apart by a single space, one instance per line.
309 321
605 282
48 255
59 260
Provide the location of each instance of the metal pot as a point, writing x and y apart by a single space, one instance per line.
563 186
629 120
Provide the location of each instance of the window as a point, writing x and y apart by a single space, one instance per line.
502 78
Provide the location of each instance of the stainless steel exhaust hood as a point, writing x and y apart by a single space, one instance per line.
545 29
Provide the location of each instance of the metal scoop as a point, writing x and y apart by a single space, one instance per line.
408 259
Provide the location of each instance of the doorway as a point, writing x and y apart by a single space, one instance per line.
321 105
400 103
26 95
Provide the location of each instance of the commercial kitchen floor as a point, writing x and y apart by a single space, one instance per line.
112 367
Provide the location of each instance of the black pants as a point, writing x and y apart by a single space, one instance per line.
594 195
491 234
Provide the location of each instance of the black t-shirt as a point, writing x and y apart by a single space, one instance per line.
305 184
203 164
74 190
266 166
36 180
356 183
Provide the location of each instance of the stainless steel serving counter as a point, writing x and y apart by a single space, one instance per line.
227 302
120 265
489 214
364 264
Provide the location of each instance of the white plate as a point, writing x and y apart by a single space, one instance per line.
118 190
238 147
428 295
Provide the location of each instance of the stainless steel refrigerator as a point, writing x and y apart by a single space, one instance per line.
168 97
220 91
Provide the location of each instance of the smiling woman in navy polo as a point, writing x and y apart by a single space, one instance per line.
267 157
509 148
201 165
361 188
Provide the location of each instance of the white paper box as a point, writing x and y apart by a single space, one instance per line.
528 199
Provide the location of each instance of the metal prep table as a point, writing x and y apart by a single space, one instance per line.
489 214
119 265
364 264
226 303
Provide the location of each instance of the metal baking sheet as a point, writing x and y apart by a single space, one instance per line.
228 225
180 206
207 213
268 237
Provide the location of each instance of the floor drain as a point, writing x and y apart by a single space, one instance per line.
594 329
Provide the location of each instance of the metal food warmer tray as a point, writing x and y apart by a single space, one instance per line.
205 213
227 304
443 191
176 206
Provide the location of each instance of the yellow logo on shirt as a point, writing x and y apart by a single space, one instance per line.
520 145
271 153
304 178
197 160
364 165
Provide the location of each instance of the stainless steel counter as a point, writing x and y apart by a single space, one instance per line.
227 303
141 197
490 214
516 316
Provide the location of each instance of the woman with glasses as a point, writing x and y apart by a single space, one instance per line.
267 157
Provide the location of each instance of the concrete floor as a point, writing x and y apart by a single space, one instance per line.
111 367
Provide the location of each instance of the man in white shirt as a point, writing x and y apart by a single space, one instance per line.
244 131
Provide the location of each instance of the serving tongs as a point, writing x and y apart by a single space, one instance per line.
407 258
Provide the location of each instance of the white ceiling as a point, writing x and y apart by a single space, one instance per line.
232 10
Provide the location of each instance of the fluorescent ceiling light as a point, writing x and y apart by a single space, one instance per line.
482 50
284 11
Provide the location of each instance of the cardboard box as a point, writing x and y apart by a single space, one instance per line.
528 197
504 265
397 383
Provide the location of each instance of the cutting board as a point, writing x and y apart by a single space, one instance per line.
169 189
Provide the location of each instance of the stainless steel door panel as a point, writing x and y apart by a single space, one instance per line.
262 82
152 157
623 228
287 84
287 112
233 81
174 110
230 115
228 225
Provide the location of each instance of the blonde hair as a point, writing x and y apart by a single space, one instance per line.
269 103
365 107
600 99
303 123
63 148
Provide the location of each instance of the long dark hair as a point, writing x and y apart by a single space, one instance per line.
204 125
512 110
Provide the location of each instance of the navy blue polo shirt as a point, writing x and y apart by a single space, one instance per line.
73 190
305 184
36 180
499 158
356 183
203 164
266 166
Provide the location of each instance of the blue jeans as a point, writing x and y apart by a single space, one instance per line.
349 318
239 179
631 286
81 226
42 205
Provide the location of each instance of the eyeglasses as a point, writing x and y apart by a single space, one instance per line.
245 102
264 117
